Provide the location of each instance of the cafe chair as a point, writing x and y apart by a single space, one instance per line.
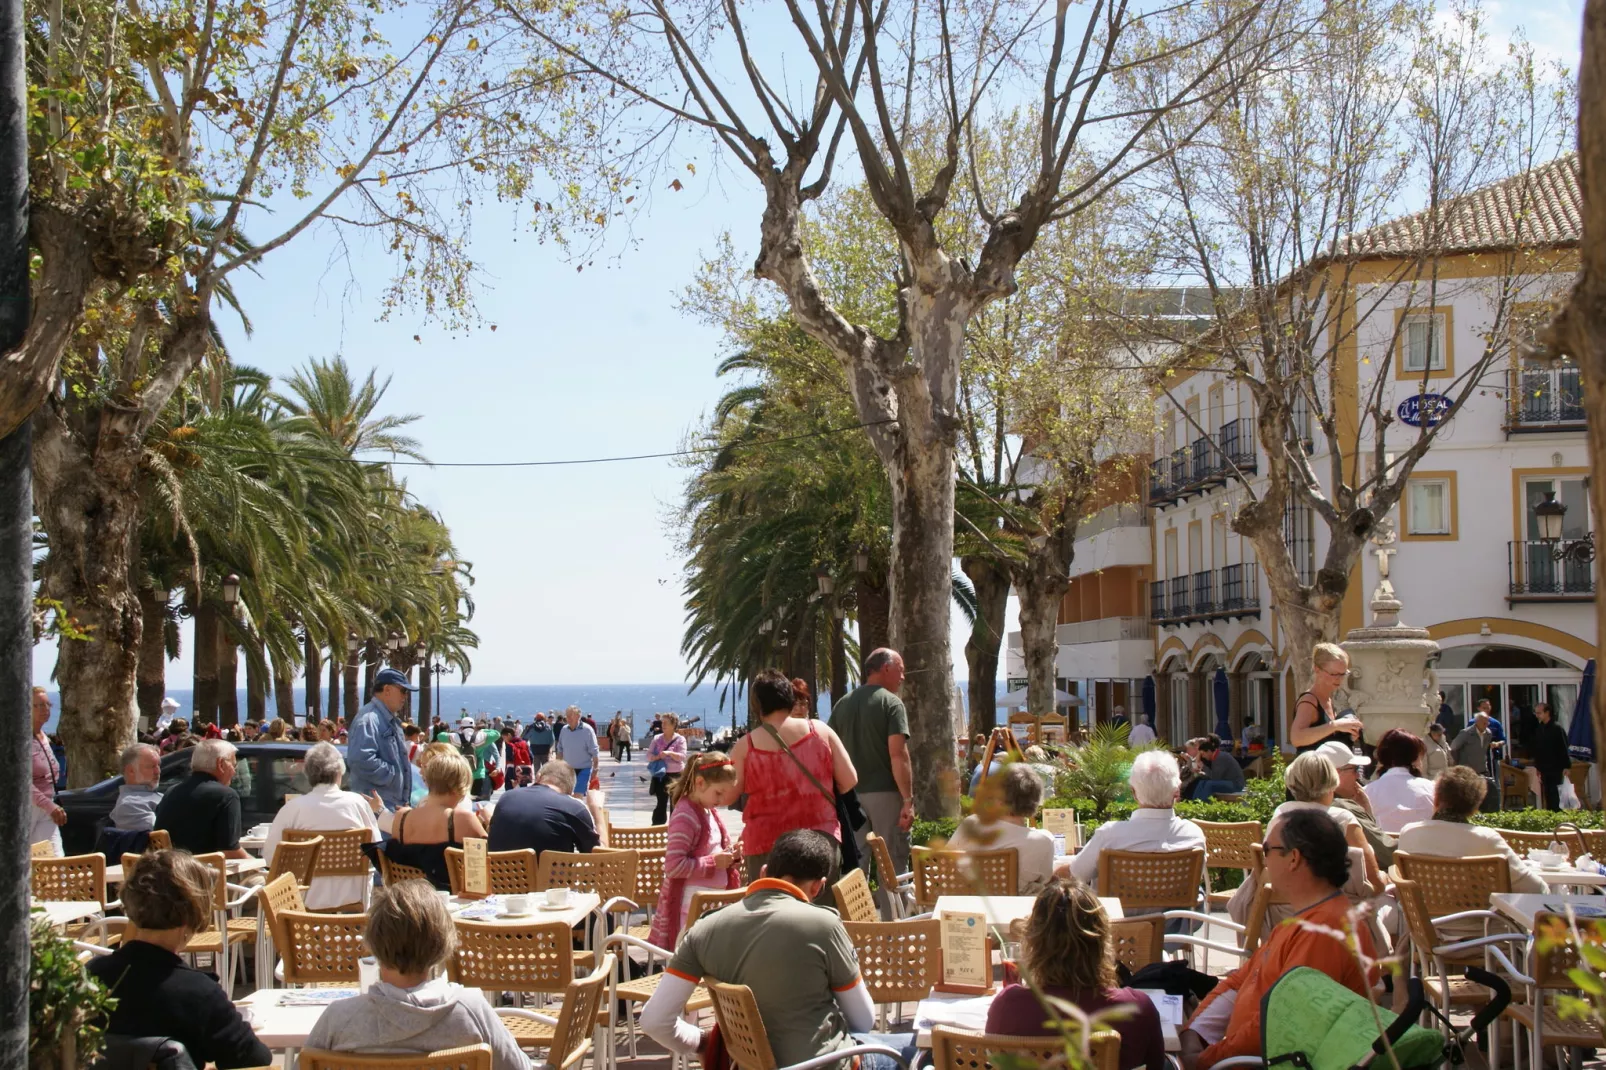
899 887
76 878
577 1029
742 1029
706 902
1523 842
940 873
854 900
1546 963
651 838
1434 957
900 961
160 840
953 1049
296 857
277 896
472 1057
1147 881
1514 787
537 957
221 937
1228 845
610 875
42 849
320 949
1455 885
99 937
1139 941
1588 841
339 855
393 873
649 882
631 991
509 872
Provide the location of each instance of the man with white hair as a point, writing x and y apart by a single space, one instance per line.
324 807
137 798
202 813
1141 735
1154 826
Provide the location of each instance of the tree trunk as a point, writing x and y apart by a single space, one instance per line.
312 653
334 684
151 683
87 501
803 662
352 672
871 593
372 653
1040 584
425 694
991 585
206 647
284 692
257 675
228 675
1582 325
839 663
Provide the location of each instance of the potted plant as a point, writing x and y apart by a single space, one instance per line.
66 1006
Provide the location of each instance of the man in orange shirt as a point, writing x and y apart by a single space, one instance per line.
1307 863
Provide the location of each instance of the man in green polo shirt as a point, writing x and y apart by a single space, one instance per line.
817 1004
874 728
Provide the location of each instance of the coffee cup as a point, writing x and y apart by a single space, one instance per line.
516 904
557 897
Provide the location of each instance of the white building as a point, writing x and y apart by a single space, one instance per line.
1516 625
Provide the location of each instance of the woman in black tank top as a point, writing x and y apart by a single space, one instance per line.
1314 722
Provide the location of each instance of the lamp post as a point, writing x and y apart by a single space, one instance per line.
439 668
353 644
1551 516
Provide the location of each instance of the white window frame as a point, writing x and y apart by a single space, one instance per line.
1436 351
1412 527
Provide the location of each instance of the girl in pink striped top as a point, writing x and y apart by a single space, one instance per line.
699 854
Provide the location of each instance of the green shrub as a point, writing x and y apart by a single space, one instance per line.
65 1004
923 832
1539 820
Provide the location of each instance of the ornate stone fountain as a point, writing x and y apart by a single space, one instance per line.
1390 684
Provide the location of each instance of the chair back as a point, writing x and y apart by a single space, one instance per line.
651 838
1590 841
297 857
900 961
280 894
1138 941
939 873
472 1057
340 854
706 902
610 875
76 878
854 900
319 948
571 1037
1418 919
42 849
393 873
955 1050
1523 842
1228 843
649 876
1513 787
161 840
1553 955
1451 885
1152 880
510 872
741 1026
538 957
886 874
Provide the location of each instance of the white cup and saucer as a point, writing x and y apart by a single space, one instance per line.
515 906
556 899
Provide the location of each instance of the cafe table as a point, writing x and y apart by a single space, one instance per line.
62 912
969 1014
236 867
1568 877
1004 910
491 909
1523 907
282 1018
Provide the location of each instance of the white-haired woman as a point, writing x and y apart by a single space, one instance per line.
1156 781
325 808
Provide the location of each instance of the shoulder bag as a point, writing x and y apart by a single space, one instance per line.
850 816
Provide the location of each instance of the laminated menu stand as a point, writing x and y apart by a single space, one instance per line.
476 870
967 960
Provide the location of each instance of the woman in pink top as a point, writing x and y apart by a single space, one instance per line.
780 795
669 747
47 816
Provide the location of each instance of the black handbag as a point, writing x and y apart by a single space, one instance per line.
850 815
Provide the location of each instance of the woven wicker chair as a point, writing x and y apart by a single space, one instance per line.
161 840
340 855
393 873
651 838
473 1057
221 937
277 896
899 886
1451 885
854 900
1228 846
296 857
568 1037
611 875
1152 880
320 948
1514 787
708 902
1590 841
649 882
954 1050
537 957
1544 973
76 878
42 849
1434 964
940 873
510 872
1138 941
748 1043
900 961
1523 842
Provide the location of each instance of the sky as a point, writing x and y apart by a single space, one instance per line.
577 569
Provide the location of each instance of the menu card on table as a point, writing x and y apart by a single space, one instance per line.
967 961
476 871
1061 822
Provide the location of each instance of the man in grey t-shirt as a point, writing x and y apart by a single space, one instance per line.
874 728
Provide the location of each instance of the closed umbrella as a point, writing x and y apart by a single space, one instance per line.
1222 694
1148 698
1581 733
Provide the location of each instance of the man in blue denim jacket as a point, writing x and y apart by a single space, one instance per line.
376 749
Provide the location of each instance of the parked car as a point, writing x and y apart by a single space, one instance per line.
266 773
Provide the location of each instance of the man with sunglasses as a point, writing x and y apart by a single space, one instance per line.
1307 863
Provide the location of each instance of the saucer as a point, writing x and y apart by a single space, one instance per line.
511 914
549 906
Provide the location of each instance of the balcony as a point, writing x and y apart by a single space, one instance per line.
1103 630
1538 576
1548 399
1209 462
1219 594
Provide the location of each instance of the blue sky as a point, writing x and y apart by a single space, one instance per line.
578 576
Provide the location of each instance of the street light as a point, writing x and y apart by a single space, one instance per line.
1551 515
394 643
231 589
822 576
838 612
352 643
861 560
765 627
421 651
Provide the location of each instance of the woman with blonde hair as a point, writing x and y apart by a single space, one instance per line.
1312 780
1068 954
1314 719
277 730
420 834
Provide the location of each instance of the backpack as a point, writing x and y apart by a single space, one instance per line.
465 745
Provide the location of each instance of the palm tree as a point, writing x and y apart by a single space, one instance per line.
325 395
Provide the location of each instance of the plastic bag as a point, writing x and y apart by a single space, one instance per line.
1569 796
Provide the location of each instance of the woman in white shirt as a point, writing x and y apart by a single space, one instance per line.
324 808
1399 794
1000 822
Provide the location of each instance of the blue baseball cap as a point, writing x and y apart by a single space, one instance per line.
392 676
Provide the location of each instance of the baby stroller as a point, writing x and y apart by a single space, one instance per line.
1310 1021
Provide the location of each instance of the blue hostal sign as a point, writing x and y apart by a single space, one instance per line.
1422 409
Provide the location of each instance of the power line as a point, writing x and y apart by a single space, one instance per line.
573 461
